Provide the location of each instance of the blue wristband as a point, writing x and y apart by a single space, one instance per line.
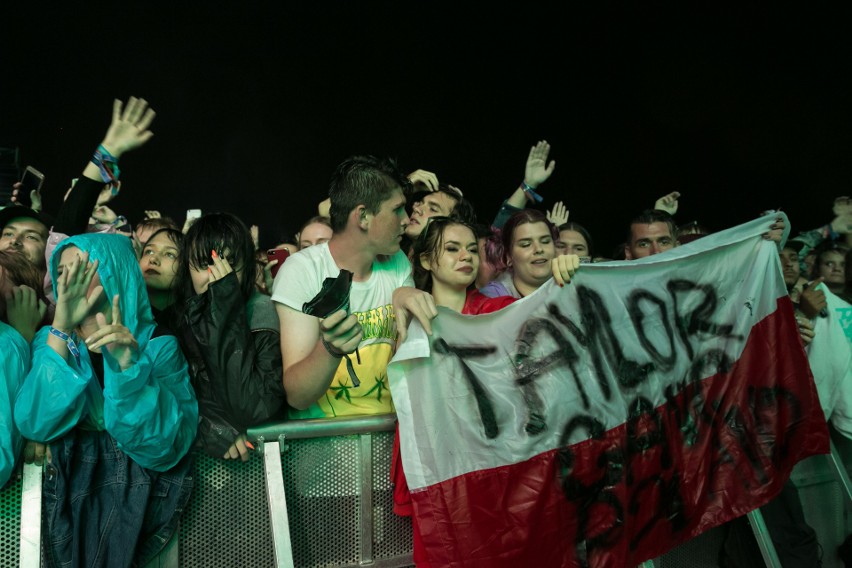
107 164
72 347
530 191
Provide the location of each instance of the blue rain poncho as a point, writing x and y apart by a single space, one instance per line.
149 409
14 364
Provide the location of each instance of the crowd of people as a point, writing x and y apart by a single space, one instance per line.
127 346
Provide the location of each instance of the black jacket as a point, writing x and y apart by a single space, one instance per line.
234 356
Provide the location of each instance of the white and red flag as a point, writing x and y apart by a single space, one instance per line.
603 423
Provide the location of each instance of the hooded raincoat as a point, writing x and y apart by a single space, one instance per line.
14 364
120 473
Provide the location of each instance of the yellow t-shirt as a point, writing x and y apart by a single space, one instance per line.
301 278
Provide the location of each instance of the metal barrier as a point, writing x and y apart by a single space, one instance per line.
227 521
10 521
321 496
335 474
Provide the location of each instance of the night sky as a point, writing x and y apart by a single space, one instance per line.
739 108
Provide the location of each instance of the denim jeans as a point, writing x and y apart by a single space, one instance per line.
103 509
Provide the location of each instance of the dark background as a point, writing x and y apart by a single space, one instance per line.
740 108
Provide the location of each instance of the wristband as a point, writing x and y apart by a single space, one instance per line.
530 192
108 164
72 347
832 234
350 368
331 349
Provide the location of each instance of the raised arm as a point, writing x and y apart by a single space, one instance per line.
127 131
536 172
668 203
842 222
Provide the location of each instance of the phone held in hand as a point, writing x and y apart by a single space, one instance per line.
32 180
277 254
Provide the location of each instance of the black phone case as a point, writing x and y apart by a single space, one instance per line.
333 296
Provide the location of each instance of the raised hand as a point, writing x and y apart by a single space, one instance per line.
842 206
129 127
108 193
114 338
537 169
423 180
558 215
72 286
35 197
668 203
103 214
25 311
842 209
324 208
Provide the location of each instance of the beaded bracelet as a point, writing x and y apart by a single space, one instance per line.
108 164
72 347
530 192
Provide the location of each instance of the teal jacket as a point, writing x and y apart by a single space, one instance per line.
14 364
150 409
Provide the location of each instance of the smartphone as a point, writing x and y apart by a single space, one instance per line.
32 180
193 214
277 254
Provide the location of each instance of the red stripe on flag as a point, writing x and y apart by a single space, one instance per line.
719 447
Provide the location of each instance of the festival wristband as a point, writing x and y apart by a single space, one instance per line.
107 164
332 350
72 347
530 192
350 368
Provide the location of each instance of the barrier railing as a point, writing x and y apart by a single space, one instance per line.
335 475
10 522
321 496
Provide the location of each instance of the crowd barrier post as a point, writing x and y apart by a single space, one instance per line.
30 546
836 463
277 500
764 541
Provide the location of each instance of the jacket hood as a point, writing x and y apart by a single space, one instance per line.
120 274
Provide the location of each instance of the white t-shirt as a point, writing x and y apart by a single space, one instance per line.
300 279
830 356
